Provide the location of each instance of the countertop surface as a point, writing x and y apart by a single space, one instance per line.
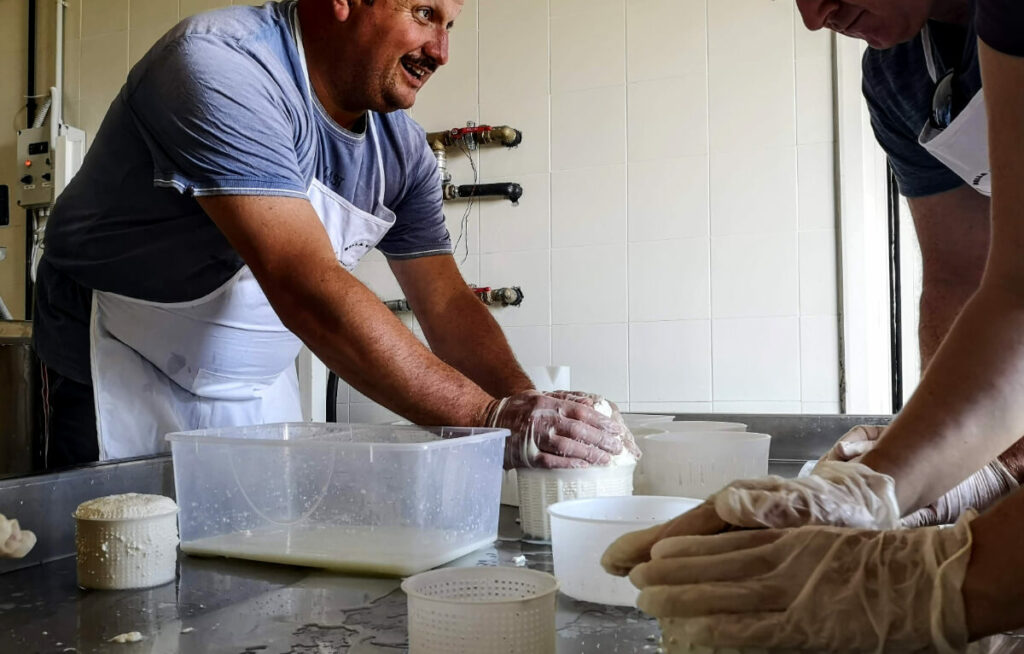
236 606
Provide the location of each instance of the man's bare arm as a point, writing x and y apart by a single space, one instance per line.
458 326
968 409
284 243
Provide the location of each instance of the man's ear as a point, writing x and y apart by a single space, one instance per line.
341 9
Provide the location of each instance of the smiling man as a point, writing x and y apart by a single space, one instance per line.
253 157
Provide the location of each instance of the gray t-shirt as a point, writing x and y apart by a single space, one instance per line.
219 106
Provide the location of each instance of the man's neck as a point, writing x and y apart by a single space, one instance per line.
951 11
311 44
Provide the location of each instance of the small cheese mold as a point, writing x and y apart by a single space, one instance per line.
126 541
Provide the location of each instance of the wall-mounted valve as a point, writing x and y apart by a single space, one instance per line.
470 137
502 297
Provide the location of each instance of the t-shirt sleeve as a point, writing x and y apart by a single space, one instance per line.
1001 25
419 229
897 117
216 122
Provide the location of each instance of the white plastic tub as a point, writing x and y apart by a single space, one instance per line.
696 464
581 530
373 499
684 426
642 419
507 610
540 488
640 434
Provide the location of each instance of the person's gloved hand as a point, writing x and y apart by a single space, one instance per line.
813 588
855 443
551 432
838 493
15 542
979 491
606 408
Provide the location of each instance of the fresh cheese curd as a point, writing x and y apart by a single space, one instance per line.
126 541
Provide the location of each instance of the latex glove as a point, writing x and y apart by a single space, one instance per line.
855 443
15 542
813 588
979 491
606 408
549 432
839 493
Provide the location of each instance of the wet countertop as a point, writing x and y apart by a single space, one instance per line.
235 606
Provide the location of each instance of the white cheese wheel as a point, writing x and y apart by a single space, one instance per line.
126 541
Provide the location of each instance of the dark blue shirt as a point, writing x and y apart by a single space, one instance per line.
899 91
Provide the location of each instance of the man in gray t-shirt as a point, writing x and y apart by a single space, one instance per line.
253 156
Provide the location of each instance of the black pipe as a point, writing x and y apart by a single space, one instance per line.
895 292
508 190
332 397
30 105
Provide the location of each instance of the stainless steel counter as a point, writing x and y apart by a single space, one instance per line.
232 606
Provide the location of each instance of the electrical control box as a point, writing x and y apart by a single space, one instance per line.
34 184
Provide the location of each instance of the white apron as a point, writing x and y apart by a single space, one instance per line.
222 360
963 145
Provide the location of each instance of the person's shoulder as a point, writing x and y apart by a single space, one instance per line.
402 132
237 24
221 37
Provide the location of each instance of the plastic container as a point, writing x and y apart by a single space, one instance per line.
507 610
581 531
540 488
684 426
372 499
641 419
126 541
510 488
639 434
697 464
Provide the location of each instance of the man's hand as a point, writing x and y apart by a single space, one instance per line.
979 491
840 494
813 589
551 432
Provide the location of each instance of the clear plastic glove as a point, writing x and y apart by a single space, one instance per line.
855 443
838 493
606 408
814 588
15 542
551 432
979 491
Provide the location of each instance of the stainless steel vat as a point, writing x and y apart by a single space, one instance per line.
20 400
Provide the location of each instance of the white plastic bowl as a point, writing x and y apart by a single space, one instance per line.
684 426
641 419
696 464
540 488
581 530
508 610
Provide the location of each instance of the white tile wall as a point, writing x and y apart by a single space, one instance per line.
755 275
757 359
669 280
670 361
598 356
588 128
675 239
588 285
588 206
587 54
668 198
665 38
